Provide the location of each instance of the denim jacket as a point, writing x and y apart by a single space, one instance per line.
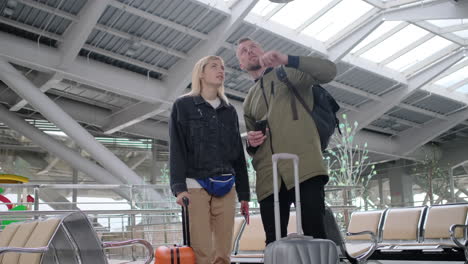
205 142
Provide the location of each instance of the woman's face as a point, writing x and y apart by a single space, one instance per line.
213 73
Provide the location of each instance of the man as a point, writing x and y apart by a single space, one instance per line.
290 130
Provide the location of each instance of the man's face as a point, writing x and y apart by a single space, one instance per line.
248 53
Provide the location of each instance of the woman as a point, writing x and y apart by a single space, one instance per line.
207 163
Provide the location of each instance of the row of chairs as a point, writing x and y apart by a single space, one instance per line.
420 233
417 233
67 239
432 233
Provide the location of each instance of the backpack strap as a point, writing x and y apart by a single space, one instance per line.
282 76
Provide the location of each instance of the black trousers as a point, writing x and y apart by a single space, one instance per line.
312 209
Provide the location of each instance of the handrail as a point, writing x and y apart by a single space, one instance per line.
23 250
59 212
127 211
129 186
146 244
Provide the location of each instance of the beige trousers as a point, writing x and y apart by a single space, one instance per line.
211 226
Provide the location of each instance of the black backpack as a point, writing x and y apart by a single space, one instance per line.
323 113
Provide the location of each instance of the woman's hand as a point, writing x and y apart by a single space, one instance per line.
180 196
245 210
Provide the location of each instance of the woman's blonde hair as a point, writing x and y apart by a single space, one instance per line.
196 80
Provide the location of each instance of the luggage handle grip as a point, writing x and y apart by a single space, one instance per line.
295 158
185 222
280 156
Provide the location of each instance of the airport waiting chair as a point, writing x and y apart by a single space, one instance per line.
69 239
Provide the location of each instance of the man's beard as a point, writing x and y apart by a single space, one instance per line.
254 67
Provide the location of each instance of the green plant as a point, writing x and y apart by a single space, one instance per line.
252 179
348 163
165 174
433 177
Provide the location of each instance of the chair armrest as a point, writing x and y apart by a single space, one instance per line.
456 241
364 256
23 250
128 243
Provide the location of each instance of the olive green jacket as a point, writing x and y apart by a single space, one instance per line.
285 134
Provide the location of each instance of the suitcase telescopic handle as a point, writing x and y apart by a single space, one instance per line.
275 159
185 221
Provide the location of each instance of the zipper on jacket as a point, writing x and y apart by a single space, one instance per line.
268 110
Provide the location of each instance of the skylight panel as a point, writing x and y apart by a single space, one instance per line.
463 89
419 53
448 22
263 7
394 43
337 19
463 33
453 78
382 29
297 12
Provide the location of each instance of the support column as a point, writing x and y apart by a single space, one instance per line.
401 186
155 170
74 190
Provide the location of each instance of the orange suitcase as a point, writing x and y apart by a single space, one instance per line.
178 254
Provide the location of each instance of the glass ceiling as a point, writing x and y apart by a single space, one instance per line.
401 45
463 89
302 10
394 44
328 25
458 77
454 77
462 33
384 28
419 53
448 22
298 15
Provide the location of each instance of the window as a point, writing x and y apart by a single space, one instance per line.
263 7
297 12
377 33
337 19
419 53
453 78
463 33
447 22
395 43
463 89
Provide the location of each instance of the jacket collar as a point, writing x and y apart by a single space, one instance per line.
265 72
198 100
